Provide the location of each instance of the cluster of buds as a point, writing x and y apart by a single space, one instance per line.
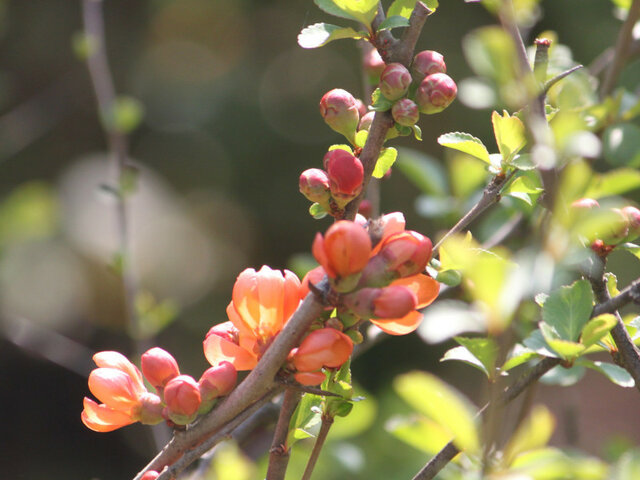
607 227
119 385
381 280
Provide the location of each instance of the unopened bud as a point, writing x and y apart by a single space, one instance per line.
326 347
428 62
217 381
309 378
373 65
362 108
405 112
182 397
150 409
395 81
406 253
388 302
365 121
314 184
633 216
340 111
345 174
435 93
585 204
158 367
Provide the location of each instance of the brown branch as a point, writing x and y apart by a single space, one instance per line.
444 456
621 50
280 451
631 294
317 446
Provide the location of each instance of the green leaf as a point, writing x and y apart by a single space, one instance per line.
536 343
564 348
306 420
616 374
614 182
361 138
317 211
533 433
331 8
597 328
524 186
441 403
341 146
565 377
467 175
491 53
466 143
385 161
484 349
320 34
417 132
510 134
380 103
523 162
621 145
568 309
519 355
462 354
631 248
424 171
362 11
395 21
405 7
421 433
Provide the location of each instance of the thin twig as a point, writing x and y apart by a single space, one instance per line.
280 451
444 456
305 389
621 50
317 446
631 294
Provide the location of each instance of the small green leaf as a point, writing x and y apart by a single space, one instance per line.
536 343
385 161
306 420
466 143
612 284
380 103
568 309
361 138
616 374
565 377
331 8
510 134
341 146
597 328
614 182
363 11
484 349
421 433
524 186
395 21
491 53
523 162
519 355
463 354
533 433
424 171
405 7
452 278
564 348
320 34
440 402
417 132
317 211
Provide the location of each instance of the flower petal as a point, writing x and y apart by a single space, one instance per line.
425 288
309 378
270 293
218 349
110 359
101 418
114 388
399 326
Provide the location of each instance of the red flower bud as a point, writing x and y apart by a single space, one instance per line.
395 81
340 111
217 381
362 108
435 93
428 62
325 347
150 475
633 215
616 228
406 253
345 173
158 366
182 397
314 184
365 121
309 378
405 112
388 302
344 250
373 65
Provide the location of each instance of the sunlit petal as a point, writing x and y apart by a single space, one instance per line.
101 418
399 326
217 349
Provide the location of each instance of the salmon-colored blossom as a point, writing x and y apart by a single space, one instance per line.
158 367
325 347
344 250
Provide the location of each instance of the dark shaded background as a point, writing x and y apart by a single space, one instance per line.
230 121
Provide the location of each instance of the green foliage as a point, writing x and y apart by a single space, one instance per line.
613 182
385 161
153 315
362 11
317 211
533 433
29 212
394 21
404 8
380 103
424 171
319 34
621 145
480 353
510 135
567 310
306 419
466 143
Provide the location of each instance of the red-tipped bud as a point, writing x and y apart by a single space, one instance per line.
345 174
435 93
373 65
365 121
633 216
428 62
158 367
388 302
217 381
182 397
405 112
395 81
314 184
340 111
150 475
344 250
150 409
406 253
325 347
585 204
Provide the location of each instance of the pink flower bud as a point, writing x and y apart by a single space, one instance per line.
314 184
345 173
217 381
158 366
309 378
150 409
365 121
435 93
340 111
373 65
344 250
406 253
585 204
388 302
150 475
182 397
633 215
615 228
362 108
395 81
405 112
325 347
428 62
226 331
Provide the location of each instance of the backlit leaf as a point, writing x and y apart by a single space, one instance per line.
385 161
421 433
533 433
597 328
424 171
510 134
614 182
568 309
463 354
616 374
466 143
320 34
405 7
394 21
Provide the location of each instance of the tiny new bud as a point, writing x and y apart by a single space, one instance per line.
428 62
339 110
345 174
373 65
344 250
326 347
395 81
314 184
182 397
365 121
217 381
405 112
158 367
435 93
633 215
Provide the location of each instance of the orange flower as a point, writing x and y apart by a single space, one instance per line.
118 384
344 250
326 347
262 302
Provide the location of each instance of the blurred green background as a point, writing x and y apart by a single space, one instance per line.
230 121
